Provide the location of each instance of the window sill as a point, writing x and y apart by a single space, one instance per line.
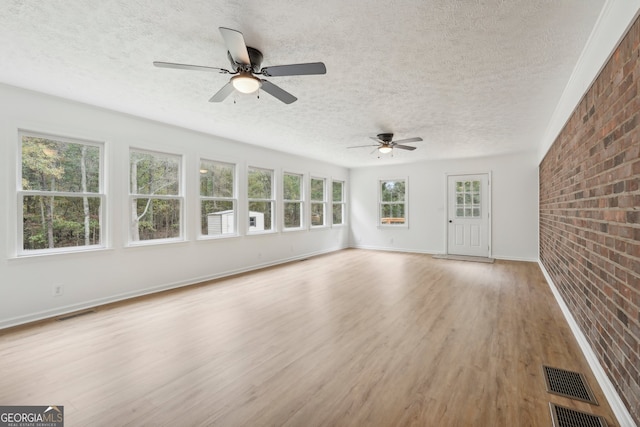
53 252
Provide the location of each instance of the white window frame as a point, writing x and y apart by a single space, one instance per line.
300 202
341 203
180 197
233 199
272 200
322 202
405 203
21 193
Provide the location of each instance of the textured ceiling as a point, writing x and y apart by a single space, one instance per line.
471 77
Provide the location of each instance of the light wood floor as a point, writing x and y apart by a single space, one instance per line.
353 338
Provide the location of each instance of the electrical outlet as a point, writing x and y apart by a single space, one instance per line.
57 290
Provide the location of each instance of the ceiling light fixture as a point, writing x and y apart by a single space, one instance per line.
384 149
245 82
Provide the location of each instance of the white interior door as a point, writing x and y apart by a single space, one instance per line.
468 211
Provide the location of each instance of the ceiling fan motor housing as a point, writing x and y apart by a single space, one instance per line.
255 56
385 137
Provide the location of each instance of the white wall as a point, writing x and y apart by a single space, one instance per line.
96 277
514 205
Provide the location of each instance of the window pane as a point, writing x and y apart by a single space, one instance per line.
338 192
51 165
260 216
476 186
292 186
317 189
292 215
392 191
154 173
260 183
337 213
476 212
156 219
216 179
60 222
217 217
317 213
392 214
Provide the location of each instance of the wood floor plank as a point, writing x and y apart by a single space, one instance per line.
352 338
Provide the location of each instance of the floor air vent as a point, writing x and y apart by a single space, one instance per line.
565 417
568 384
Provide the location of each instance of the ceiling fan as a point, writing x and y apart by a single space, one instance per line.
245 65
386 144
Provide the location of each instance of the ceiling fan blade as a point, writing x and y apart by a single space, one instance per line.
222 94
235 45
278 92
295 69
189 67
379 141
361 146
404 141
404 147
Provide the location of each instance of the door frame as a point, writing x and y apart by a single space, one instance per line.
446 208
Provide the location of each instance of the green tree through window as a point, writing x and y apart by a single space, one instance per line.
393 202
60 193
217 198
261 199
156 199
318 202
293 203
338 202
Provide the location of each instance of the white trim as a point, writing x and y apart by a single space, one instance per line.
405 202
233 199
19 194
323 202
343 203
275 188
613 398
301 201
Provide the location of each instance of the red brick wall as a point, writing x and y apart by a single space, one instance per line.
590 217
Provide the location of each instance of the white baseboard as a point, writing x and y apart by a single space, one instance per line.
617 406
418 251
391 249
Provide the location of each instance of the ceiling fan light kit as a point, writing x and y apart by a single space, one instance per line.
385 143
245 64
245 82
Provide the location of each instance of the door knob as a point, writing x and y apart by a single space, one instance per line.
450 220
